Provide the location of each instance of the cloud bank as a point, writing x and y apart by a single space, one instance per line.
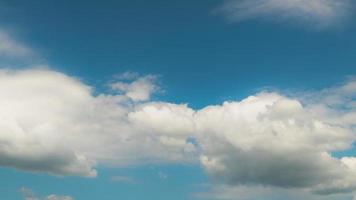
314 13
51 122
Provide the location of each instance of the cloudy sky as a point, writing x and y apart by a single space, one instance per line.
193 100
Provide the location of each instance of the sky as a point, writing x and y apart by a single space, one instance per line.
192 100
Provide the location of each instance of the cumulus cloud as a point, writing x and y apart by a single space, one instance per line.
273 140
34 120
53 123
28 194
317 13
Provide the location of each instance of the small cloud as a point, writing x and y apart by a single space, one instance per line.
123 179
127 76
15 53
10 47
134 87
28 194
55 197
162 175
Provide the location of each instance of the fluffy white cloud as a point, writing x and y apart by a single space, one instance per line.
39 109
53 123
318 13
272 140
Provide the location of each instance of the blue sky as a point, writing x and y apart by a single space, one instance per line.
181 40
179 59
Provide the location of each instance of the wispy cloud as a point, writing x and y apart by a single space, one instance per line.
16 53
123 179
162 175
12 48
258 192
28 194
313 13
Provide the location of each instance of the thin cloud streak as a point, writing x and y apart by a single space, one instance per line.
316 14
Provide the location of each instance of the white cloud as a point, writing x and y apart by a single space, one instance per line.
30 195
315 13
140 89
37 109
273 140
53 123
